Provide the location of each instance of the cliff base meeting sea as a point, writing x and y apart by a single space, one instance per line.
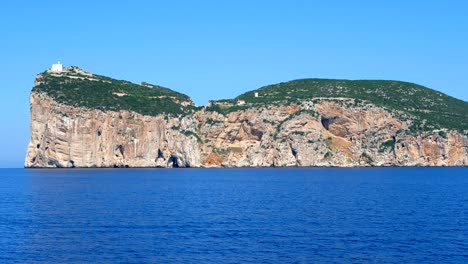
281 215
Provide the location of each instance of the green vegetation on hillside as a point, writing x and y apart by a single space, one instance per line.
430 109
99 92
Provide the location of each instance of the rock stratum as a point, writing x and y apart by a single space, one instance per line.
79 119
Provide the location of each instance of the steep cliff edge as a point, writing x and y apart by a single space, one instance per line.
83 120
65 136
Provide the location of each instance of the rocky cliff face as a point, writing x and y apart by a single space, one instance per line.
315 132
65 136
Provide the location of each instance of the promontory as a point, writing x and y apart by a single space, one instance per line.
81 119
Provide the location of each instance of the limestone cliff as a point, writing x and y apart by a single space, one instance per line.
65 136
334 133
309 132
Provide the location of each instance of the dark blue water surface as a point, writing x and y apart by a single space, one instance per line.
382 215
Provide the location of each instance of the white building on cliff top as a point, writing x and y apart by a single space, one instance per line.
57 67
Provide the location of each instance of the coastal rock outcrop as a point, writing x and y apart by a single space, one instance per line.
326 133
65 136
343 132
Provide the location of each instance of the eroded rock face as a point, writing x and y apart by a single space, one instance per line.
64 136
312 133
326 133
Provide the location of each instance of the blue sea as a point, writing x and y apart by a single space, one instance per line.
296 215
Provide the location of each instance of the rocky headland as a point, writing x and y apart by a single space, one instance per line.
79 119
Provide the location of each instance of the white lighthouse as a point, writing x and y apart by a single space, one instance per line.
57 67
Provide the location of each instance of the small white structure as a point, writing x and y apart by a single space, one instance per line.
57 67
256 94
240 102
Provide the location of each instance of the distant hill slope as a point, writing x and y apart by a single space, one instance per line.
430 108
76 87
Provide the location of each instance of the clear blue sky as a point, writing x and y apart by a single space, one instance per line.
219 49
